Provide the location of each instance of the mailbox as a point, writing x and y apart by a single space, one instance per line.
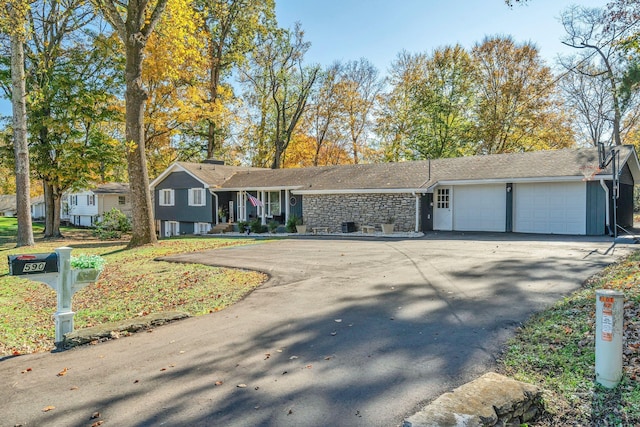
20 265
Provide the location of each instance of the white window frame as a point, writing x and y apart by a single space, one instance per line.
443 198
201 228
164 194
271 204
91 199
73 200
171 228
194 195
242 206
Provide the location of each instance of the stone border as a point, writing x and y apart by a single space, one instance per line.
112 330
491 400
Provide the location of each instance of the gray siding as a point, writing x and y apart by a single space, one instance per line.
181 182
626 177
596 209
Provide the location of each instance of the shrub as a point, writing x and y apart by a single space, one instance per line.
292 222
256 226
113 224
242 226
273 226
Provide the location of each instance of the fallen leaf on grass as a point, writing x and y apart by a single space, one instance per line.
308 366
219 383
63 372
241 386
267 355
26 370
48 408
95 415
97 423
75 387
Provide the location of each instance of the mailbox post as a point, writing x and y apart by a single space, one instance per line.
54 270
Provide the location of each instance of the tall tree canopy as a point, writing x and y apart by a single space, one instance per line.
517 108
279 86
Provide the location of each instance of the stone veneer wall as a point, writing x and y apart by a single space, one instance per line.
331 210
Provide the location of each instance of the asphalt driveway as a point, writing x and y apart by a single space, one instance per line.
346 333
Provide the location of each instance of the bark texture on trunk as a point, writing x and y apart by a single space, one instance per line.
20 146
143 230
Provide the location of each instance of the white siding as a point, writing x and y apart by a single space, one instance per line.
550 208
479 207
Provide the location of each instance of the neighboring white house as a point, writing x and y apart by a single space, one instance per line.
8 205
85 207
37 208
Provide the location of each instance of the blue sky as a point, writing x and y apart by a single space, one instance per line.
380 29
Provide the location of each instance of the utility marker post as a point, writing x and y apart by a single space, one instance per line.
609 330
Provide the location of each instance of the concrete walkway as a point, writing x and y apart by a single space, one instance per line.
346 333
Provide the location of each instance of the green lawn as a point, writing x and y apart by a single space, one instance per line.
556 350
132 284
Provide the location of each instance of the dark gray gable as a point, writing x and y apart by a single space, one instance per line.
179 180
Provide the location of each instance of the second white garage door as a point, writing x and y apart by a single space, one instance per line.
550 208
479 207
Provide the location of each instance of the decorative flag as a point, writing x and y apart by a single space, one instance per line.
254 202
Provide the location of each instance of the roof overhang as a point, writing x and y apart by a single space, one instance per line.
294 187
515 180
364 191
175 167
634 164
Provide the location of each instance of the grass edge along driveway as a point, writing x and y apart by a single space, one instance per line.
555 349
132 284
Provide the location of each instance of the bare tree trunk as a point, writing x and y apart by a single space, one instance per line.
20 145
214 80
143 228
48 209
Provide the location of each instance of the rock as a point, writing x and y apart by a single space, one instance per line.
491 400
111 329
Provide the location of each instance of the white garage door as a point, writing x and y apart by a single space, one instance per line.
550 208
479 207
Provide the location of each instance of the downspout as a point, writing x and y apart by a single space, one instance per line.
417 196
215 212
606 205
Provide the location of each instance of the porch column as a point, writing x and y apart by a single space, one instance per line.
287 208
263 215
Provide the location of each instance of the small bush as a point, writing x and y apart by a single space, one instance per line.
256 226
243 226
113 224
273 226
292 222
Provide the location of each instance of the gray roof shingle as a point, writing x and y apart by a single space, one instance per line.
405 175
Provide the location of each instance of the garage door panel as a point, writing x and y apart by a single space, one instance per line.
479 208
550 208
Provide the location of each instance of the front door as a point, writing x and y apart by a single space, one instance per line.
426 212
442 209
